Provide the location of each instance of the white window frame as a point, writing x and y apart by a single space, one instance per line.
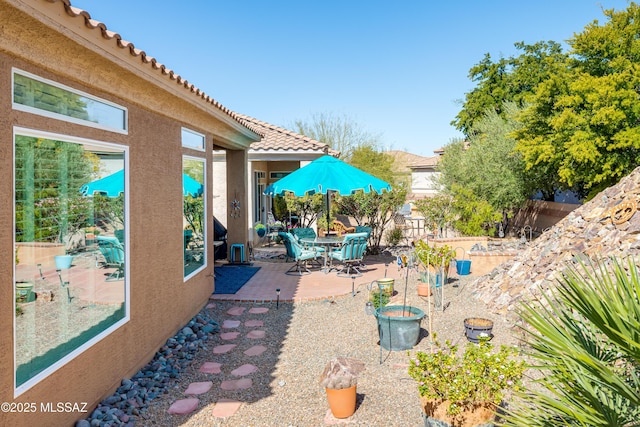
33 110
205 222
192 133
18 390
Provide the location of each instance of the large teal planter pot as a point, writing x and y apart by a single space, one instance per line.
398 331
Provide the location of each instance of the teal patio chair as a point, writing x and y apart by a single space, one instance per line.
350 254
299 254
113 253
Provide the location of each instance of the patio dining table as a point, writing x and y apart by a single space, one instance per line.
325 241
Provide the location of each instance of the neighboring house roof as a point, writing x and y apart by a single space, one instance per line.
404 161
170 75
425 163
280 139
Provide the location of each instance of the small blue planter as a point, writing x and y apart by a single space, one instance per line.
63 261
463 267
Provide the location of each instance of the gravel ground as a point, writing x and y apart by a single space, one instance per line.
301 338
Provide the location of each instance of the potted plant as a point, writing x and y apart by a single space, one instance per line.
260 228
340 378
464 390
436 259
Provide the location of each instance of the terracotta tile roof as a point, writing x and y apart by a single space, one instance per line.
404 161
109 35
281 139
425 162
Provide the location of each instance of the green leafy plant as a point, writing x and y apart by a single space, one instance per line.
478 375
259 226
584 338
394 236
379 299
440 256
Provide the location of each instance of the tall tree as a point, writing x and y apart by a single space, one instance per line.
583 125
341 133
508 79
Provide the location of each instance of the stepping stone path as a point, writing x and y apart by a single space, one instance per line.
254 323
227 336
236 311
199 388
225 407
256 334
241 384
230 324
210 368
183 406
244 370
256 350
222 349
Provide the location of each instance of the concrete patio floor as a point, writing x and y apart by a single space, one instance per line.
317 285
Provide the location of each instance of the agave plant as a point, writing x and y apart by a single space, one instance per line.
585 340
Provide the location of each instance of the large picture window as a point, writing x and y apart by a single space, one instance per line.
70 269
193 190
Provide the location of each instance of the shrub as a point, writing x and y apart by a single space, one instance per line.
477 376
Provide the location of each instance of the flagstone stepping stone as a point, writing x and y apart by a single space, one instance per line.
210 305
210 368
254 323
241 384
229 324
245 369
236 311
256 350
199 387
256 334
225 348
229 335
258 310
225 408
183 406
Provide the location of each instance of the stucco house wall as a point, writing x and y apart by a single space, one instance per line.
49 39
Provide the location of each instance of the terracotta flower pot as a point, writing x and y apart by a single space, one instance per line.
480 414
424 290
342 402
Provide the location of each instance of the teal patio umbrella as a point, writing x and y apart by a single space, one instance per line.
327 174
112 185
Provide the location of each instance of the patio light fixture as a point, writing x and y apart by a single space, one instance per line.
278 298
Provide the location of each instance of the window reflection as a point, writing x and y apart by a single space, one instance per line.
193 214
69 251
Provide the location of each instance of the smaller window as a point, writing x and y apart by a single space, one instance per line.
44 97
278 175
191 139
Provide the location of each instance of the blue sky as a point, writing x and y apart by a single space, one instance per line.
399 69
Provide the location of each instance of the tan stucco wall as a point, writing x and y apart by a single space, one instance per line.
161 302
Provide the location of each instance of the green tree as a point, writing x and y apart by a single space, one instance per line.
437 212
508 79
372 209
585 341
341 133
582 129
472 215
307 208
